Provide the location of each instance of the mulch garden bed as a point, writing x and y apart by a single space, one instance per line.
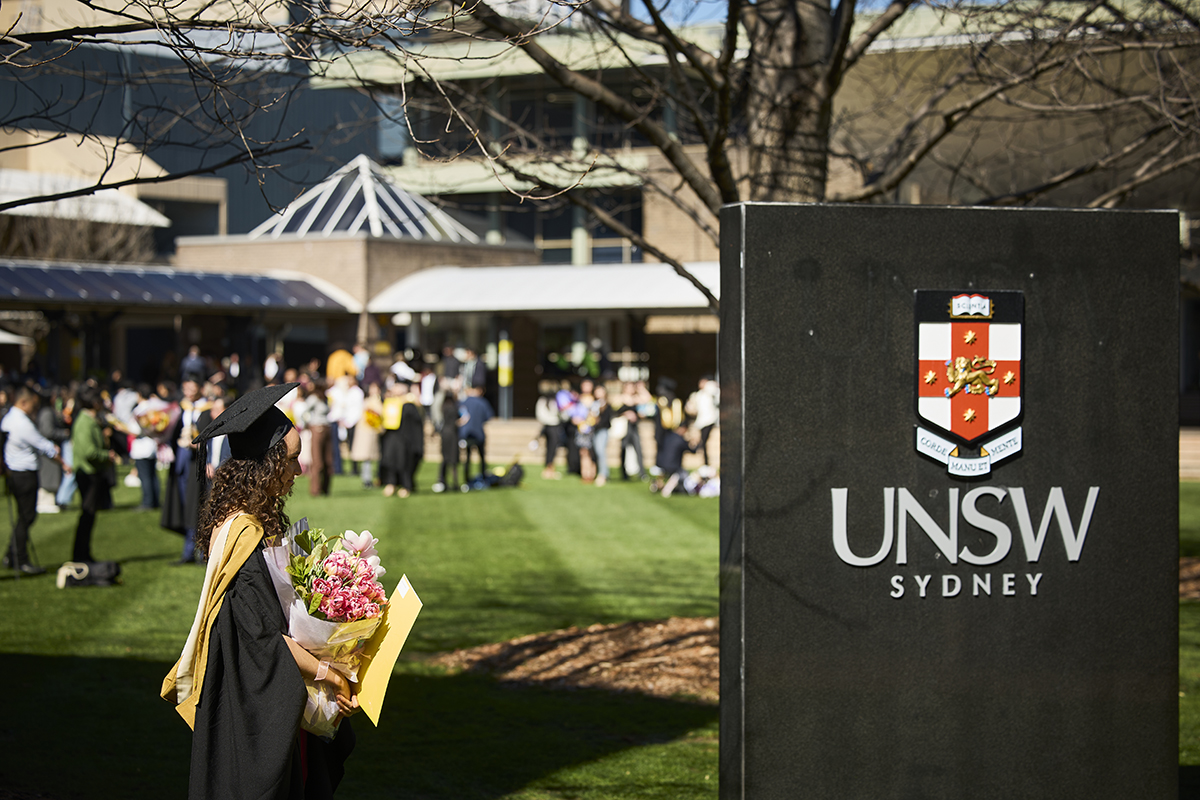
1189 578
671 658
675 657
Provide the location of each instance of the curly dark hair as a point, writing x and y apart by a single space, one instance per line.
249 485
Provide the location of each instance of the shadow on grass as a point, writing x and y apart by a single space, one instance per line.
153 557
1189 782
52 569
96 728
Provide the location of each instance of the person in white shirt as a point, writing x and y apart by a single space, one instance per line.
144 448
429 385
350 411
21 447
272 366
704 405
402 371
335 397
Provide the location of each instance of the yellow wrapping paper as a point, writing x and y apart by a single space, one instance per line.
383 648
393 407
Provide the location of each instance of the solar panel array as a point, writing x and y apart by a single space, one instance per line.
104 285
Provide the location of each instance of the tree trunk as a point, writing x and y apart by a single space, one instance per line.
788 109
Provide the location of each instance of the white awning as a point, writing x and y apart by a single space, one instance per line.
562 287
106 205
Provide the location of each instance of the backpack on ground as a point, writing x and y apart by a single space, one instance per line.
88 573
512 476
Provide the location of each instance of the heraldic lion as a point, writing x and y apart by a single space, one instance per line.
973 375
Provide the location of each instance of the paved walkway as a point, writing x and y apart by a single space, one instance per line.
1189 454
518 438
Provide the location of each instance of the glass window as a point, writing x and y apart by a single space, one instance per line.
521 218
556 222
608 255
393 133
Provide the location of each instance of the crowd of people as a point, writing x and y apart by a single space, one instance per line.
584 418
353 417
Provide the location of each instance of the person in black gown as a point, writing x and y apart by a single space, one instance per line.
240 682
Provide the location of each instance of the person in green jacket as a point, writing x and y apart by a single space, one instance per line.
91 461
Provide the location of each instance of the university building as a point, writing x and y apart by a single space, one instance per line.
418 250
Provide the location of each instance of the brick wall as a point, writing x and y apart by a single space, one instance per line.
391 260
359 265
664 225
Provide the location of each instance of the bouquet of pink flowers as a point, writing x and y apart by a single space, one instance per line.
338 578
155 417
330 592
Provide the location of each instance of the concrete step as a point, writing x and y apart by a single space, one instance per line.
1189 454
520 439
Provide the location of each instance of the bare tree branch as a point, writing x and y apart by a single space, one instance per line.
1110 198
854 51
140 181
597 92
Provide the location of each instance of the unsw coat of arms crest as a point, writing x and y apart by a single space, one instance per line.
968 394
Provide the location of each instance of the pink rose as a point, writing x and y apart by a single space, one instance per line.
330 565
334 606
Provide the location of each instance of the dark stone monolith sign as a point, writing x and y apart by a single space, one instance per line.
949 504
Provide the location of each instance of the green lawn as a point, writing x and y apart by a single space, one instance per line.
1189 683
1189 518
1189 634
84 665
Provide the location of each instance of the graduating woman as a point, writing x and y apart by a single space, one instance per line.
240 682
402 445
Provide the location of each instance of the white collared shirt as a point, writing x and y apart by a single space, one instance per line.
24 442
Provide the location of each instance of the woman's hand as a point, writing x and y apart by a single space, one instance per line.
347 700
310 668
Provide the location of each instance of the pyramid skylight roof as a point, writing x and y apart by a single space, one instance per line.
360 197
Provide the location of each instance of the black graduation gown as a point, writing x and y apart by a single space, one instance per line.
412 430
247 739
412 438
401 450
179 514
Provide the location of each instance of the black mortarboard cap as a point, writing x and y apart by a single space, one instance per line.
252 422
